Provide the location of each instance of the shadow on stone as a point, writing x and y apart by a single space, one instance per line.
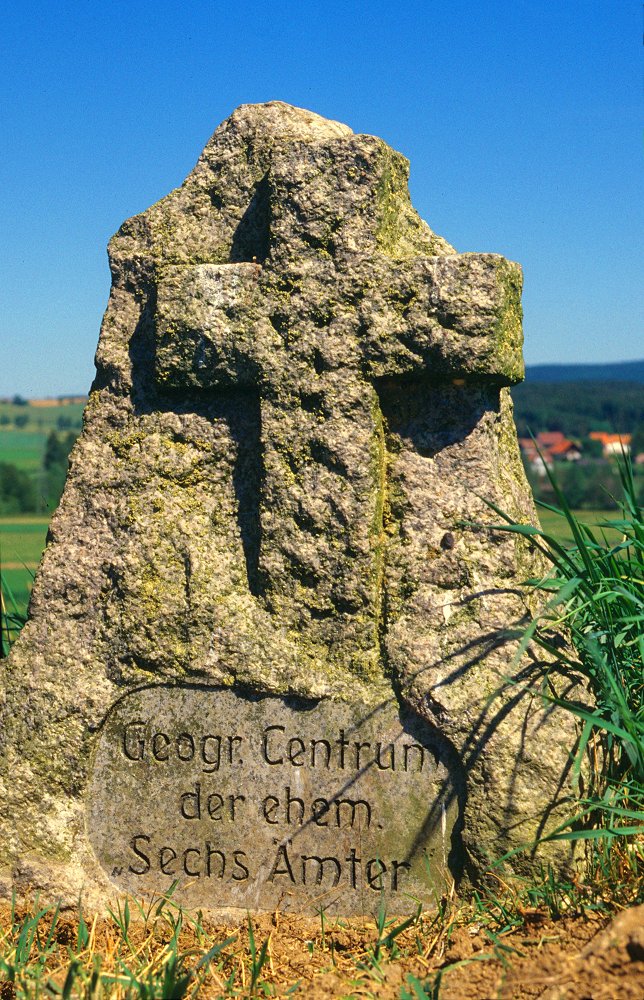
251 239
514 698
430 414
237 407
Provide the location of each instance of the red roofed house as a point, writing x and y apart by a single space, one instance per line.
612 444
549 446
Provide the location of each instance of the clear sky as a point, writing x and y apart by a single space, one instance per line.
521 119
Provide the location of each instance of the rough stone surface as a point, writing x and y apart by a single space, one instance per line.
301 400
266 803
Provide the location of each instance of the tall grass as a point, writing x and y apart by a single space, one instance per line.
12 616
595 601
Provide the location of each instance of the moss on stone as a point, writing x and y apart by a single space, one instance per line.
400 233
221 524
508 328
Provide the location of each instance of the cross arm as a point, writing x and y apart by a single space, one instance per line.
450 316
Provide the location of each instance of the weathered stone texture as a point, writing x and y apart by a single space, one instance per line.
264 802
301 400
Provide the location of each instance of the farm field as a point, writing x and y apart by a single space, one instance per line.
24 449
42 418
22 540
24 446
557 526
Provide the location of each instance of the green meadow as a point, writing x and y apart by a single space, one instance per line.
42 418
22 540
557 526
24 449
24 431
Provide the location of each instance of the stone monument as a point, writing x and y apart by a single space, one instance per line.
267 653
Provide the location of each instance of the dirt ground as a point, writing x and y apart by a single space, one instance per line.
575 958
592 957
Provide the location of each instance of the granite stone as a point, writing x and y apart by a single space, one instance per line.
274 515
261 802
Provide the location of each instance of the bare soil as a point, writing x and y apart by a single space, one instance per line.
574 958
590 957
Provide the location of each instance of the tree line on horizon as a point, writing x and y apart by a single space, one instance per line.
577 408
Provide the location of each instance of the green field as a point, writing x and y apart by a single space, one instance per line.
557 526
24 434
42 418
29 424
24 446
22 540
24 449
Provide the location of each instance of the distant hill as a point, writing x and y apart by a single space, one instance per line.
620 371
576 408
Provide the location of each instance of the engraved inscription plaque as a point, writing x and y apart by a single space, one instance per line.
258 802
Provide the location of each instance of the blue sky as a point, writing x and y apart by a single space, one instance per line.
521 119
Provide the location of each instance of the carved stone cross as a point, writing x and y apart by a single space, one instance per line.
323 354
268 553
